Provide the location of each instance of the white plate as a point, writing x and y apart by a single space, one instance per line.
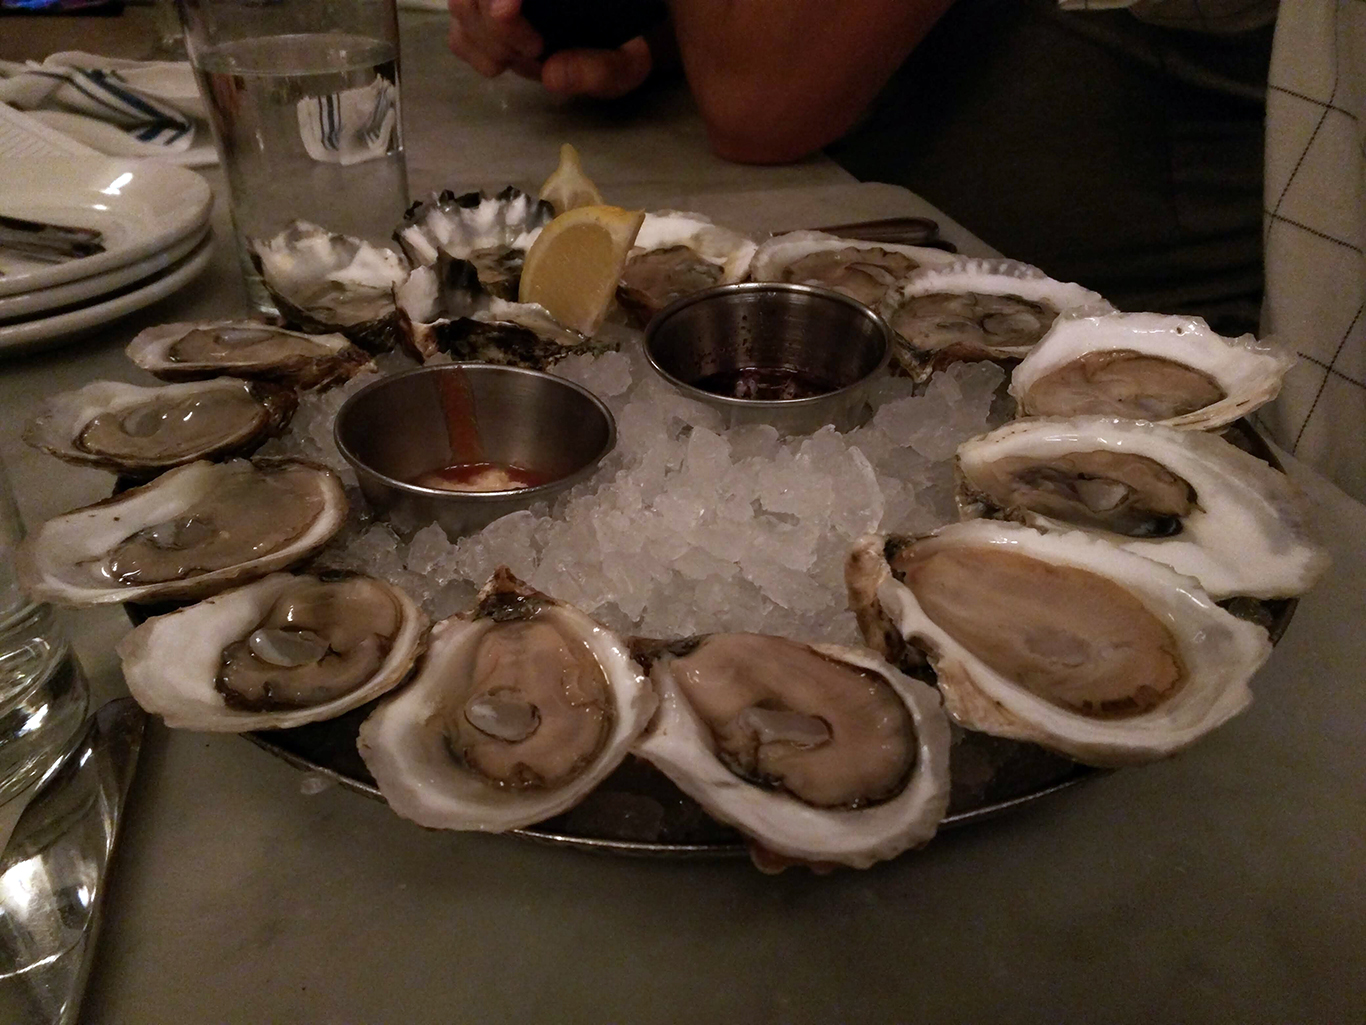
140 206
29 335
27 303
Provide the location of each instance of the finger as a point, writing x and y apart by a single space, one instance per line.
503 10
489 64
602 74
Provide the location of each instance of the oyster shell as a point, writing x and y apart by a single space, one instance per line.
476 241
1148 366
191 532
275 653
1063 640
245 348
860 269
322 281
969 309
521 707
820 753
675 254
141 431
1190 500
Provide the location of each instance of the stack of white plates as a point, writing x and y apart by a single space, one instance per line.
154 219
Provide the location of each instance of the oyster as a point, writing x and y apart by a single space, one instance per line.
1063 640
1191 500
676 254
191 532
322 281
969 310
245 348
141 431
521 707
1148 366
476 241
816 752
275 653
862 270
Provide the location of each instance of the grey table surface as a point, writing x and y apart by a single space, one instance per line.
1225 884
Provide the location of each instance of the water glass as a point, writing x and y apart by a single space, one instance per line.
303 96
43 693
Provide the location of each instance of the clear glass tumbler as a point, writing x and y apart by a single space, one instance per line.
43 693
303 96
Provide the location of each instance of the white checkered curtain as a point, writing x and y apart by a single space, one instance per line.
1315 225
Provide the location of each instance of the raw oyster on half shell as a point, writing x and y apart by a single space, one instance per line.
245 348
475 242
521 707
189 533
971 309
142 431
861 270
1063 640
276 653
819 753
1148 366
1191 500
322 281
675 254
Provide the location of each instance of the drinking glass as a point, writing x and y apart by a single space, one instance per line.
303 97
43 693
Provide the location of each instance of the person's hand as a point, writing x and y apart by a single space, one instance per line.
491 36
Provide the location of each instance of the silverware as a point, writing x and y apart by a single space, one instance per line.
53 870
906 231
48 242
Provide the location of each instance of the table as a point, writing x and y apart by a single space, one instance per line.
1225 884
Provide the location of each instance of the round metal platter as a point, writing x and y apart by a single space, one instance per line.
638 812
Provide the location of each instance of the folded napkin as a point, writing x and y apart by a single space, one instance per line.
123 108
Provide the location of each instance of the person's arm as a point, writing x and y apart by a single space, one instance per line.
778 79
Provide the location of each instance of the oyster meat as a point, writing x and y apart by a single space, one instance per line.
191 532
245 348
1148 366
971 309
322 281
142 431
522 706
675 254
1193 501
1063 640
861 270
275 653
818 753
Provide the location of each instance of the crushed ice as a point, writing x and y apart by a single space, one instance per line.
688 527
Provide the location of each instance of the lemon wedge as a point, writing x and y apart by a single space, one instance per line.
568 187
573 267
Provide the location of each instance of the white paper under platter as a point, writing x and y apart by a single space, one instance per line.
29 335
141 207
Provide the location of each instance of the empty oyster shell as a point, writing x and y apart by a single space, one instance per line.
675 254
816 752
276 653
968 310
476 241
141 431
1148 366
245 348
521 707
191 532
862 270
1190 500
1060 639
323 281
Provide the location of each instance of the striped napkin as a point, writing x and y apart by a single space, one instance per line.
119 107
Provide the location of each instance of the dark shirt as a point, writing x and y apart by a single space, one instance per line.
1105 151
